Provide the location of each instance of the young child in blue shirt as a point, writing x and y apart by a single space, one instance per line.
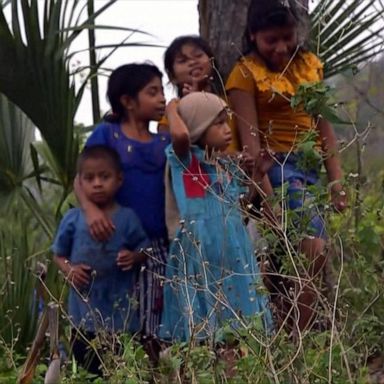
102 275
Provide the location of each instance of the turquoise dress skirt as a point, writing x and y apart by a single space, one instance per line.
212 276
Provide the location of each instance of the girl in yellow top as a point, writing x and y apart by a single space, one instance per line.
259 88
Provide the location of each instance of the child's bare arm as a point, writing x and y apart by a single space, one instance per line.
332 164
100 225
243 104
245 115
75 274
127 259
178 129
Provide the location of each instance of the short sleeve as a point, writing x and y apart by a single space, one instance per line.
99 136
62 244
136 237
241 78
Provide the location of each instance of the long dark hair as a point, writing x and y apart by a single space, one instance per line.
174 49
128 80
264 14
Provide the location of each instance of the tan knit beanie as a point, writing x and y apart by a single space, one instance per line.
198 111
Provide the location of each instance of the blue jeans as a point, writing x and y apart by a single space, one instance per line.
300 200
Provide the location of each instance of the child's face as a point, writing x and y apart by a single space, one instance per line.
218 136
191 64
149 103
276 45
100 181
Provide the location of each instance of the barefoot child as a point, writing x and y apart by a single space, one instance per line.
102 275
211 274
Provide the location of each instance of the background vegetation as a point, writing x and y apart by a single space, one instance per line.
38 91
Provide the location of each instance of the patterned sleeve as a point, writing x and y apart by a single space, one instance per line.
62 244
136 237
241 78
99 136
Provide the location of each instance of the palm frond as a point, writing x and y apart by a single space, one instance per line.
16 135
19 298
346 33
34 73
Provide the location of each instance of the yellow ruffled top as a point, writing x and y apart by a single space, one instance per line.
304 68
279 125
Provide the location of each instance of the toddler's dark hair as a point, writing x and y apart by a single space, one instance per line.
128 80
174 49
99 152
264 14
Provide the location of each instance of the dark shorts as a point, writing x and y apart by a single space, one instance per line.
297 183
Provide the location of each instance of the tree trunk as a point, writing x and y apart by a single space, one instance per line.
222 24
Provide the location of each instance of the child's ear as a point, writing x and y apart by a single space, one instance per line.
127 102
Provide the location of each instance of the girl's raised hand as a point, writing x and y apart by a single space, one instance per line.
127 259
100 225
189 88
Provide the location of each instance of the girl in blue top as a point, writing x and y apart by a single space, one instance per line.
135 93
212 273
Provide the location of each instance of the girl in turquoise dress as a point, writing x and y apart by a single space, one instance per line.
212 276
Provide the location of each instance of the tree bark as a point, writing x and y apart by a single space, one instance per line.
222 24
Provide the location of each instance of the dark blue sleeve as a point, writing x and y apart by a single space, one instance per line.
99 136
62 244
136 237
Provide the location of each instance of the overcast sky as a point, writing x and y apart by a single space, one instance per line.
165 19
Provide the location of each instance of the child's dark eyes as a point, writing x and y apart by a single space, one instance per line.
181 60
184 59
105 176
275 40
90 178
271 40
154 92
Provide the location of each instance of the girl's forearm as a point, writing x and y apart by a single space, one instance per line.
62 263
245 115
85 203
330 149
179 133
